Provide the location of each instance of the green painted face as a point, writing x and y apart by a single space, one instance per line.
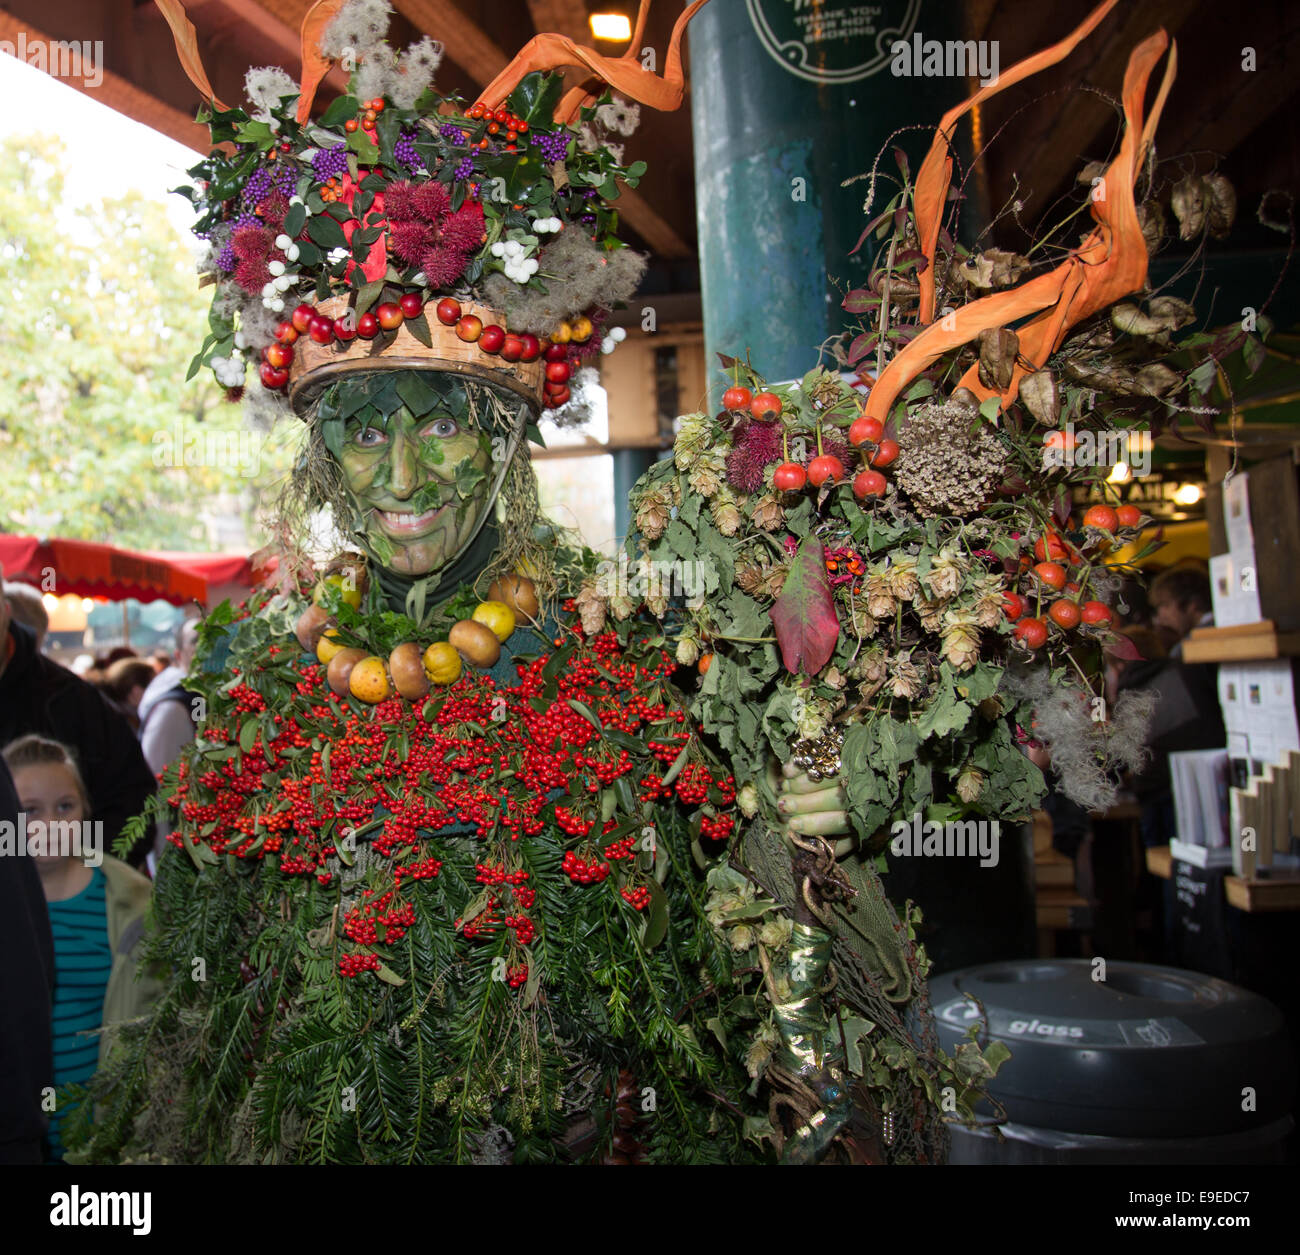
421 482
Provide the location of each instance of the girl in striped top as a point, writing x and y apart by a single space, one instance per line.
96 906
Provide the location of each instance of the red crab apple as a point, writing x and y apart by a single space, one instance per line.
558 372
389 315
301 318
869 484
491 338
286 332
825 467
469 328
411 305
272 377
789 477
367 326
321 330
345 329
557 399
737 398
865 430
279 355
532 347
512 349
448 311
886 452
555 353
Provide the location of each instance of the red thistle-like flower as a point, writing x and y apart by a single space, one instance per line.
425 231
252 247
757 446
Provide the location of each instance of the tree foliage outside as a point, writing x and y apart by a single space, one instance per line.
101 436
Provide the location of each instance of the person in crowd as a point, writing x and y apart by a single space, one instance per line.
168 715
116 654
39 696
160 660
126 680
26 991
1180 601
96 915
26 606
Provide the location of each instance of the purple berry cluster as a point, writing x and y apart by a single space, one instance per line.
257 188
330 161
404 151
451 132
464 168
554 145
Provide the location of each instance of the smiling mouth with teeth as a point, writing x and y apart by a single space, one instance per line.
406 523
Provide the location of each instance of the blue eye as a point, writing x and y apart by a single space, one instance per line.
443 428
369 438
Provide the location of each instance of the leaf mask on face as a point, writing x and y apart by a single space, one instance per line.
415 463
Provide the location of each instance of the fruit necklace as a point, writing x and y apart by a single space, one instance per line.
413 668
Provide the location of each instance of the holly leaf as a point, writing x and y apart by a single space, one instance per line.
804 614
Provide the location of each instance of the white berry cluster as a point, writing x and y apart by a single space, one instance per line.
517 265
229 370
546 226
273 292
611 341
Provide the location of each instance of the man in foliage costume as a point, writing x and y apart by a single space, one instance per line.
474 869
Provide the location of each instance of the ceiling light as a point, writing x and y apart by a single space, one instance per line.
615 27
1188 494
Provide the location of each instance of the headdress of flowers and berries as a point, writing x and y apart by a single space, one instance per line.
401 217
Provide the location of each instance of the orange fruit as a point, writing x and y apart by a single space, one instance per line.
328 646
1128 516
1065 613
705 662
1102 516
1052 574
368 681
442 663
497 617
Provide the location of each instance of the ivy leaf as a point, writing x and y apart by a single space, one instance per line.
804 614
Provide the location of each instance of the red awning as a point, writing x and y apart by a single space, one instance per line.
89 570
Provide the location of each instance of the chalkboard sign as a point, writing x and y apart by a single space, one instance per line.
1198 935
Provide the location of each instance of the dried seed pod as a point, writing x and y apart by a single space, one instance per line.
1040 397
999 348
1151 218
1188 203
1222 205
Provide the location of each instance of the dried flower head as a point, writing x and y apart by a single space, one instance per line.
949 461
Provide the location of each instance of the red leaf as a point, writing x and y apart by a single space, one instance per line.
859 301
804 614
1122 647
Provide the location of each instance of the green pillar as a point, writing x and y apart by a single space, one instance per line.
629 466
788 99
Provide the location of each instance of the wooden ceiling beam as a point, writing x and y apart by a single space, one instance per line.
120 94
1058 151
